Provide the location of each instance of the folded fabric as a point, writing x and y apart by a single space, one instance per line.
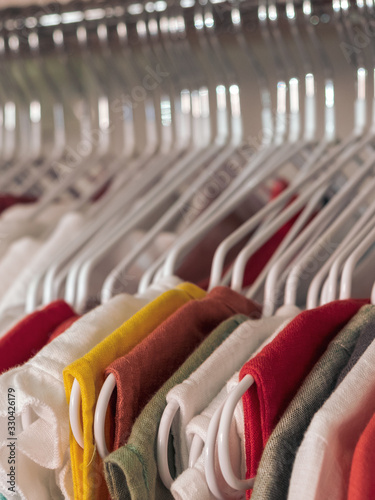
27 338
195 393
192 482
275 468
322 466
131 471
89 372
280 368
148 366
43 447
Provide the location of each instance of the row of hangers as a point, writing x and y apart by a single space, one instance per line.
149 97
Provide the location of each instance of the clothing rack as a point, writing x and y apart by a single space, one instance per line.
187 221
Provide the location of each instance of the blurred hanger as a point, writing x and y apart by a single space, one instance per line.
240 263
43 158
146 170
210 168
348 271
181 248
110 205
95 149
21 111
355 235
233 141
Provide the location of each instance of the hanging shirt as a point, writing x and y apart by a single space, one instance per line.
131 471
15 261
27 338
15 223
195 393
148 366
365 339
43 448
275 468
362 481
280 368
192 482
14 298
322 466
89 372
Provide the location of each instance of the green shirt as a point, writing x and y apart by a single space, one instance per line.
131 471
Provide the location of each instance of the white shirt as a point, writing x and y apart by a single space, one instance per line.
195 393
12 304
15 223
250 338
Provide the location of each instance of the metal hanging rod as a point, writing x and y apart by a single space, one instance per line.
66 12
17 24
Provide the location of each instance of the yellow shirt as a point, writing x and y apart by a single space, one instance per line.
89 370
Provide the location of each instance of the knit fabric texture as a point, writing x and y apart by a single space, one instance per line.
366 337
281 367
275 468
131 471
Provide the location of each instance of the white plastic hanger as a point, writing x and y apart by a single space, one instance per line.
351 262
223 436
135 189
350 146
53 98
354 236
25 151
121 232
267 123
144 176
329 292
247 180
296 272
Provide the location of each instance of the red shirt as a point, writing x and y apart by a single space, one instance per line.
362 478
28 336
